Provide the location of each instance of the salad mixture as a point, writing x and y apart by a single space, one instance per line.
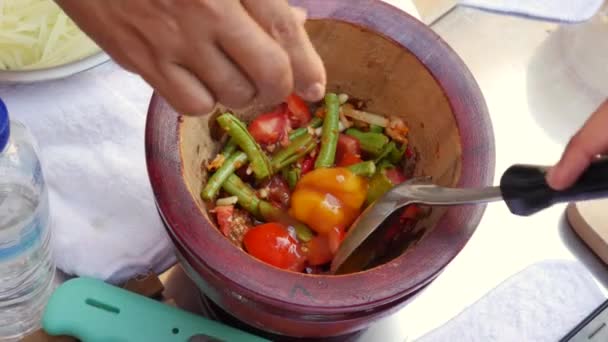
286 187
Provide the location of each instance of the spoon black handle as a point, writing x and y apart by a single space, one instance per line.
526 192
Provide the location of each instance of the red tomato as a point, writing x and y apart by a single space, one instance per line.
409 152
224 218
269 128
278 191
348 151
299 114
411 212
335 236
318 251
271 243
348 159
395 175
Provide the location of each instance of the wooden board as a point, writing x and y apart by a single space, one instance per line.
590 221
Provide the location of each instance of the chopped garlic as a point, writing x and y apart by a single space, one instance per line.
319 131
343 98
227 201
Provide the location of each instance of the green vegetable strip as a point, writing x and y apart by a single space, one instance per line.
384 164
215 182
372 143
292 176
365 169
376 129
229 148
271 213
306 149
295 148
386 150
260 164
329 137
314 123
247 197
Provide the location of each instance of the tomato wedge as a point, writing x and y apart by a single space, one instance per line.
223 215
278 191
335 237
348 151
271 127
317 251
298 113
395 175
271 243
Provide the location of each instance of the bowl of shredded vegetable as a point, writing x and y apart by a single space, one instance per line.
258 200
39 42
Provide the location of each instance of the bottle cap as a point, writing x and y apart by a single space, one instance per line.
4 126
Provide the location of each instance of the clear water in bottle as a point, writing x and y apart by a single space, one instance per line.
26 268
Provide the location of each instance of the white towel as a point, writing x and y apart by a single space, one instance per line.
90 129
554 10
541 303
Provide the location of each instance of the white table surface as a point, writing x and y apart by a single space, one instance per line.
537 99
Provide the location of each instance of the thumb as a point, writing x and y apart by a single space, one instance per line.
588 143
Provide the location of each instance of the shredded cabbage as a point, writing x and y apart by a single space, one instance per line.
36 34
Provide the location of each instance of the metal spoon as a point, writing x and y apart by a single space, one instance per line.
522 187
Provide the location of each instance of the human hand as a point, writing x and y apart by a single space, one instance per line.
590 142
199 52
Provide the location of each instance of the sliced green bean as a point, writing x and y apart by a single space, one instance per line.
216 180
372 143
378 185
229 148
247 197
292 176
376 129
314 123
329 136
270 213
384 164
292 152
365 169
260 165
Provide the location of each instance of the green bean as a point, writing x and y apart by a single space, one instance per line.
260 165
376 129
216 180
314 123
384 164
292 176
365 169
270 213
229 148
372 143
306 149
329 136
292 152
245 194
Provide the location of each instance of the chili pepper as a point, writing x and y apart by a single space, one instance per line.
329 136
260 164
216 180
378 185
372 143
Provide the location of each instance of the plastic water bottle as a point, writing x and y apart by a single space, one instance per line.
26 269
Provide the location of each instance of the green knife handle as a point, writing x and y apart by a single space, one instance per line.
92 310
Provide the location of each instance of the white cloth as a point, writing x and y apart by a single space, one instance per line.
556 10
541 303
90 129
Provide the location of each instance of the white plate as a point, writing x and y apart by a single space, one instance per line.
53 73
